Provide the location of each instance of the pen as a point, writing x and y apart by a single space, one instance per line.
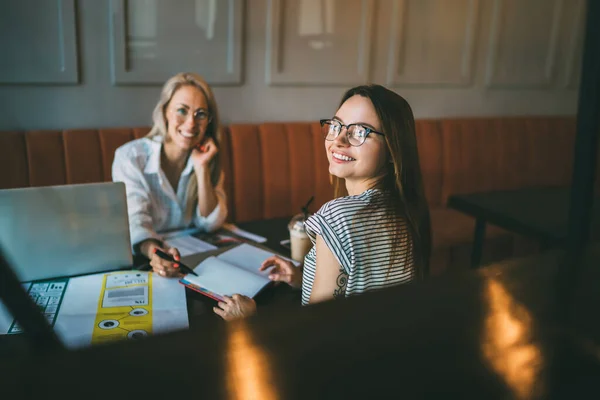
168 257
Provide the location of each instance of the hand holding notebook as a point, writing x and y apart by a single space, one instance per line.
234 271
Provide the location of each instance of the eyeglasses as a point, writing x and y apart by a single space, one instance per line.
181 114
356 133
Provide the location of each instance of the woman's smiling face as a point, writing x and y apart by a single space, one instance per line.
187 117
357 164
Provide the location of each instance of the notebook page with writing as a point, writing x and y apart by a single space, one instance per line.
249 258
224 279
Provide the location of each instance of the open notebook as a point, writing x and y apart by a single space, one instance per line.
234 271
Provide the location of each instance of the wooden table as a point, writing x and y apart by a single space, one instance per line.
541 213
200 308
486 334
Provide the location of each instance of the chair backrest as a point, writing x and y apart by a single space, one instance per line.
503 153
276 168
272 169
46 158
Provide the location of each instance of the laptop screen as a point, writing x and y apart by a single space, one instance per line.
67 230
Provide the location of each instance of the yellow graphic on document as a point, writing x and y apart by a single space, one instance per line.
124 307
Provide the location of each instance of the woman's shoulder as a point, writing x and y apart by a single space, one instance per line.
340 212
350 204
137 151
134 147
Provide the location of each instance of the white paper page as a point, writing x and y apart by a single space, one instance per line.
189 245
240 232
77 315
224 279
180 232
75 322
169 306
250 258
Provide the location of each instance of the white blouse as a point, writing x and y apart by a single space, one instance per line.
152 204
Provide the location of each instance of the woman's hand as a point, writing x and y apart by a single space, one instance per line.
283 271
164 267
203 153
237 306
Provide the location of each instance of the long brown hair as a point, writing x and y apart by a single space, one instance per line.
213 129
402 178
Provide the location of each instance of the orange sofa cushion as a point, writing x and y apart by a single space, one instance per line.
13 160
276 169
482 154
83 156
272 169
429 143
111 140
44 158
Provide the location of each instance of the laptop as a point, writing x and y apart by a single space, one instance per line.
67 230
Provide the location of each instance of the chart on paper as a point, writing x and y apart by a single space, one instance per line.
124 307
48 296
100 308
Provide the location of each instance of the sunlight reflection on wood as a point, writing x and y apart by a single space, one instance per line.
506 343
248 369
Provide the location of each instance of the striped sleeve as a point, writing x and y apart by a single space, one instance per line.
371 242
318 224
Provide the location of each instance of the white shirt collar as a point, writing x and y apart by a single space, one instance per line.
153 164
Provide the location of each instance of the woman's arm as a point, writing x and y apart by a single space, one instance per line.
207 198
139 206
330 278
212 204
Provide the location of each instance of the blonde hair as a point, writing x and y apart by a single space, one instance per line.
213 129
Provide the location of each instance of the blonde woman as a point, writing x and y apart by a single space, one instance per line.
173 176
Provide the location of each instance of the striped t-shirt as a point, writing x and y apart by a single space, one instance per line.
359 230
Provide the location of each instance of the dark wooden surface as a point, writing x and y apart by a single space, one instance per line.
541 213
491 333
274 230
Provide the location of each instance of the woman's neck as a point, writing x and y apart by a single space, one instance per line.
173 156
355 187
